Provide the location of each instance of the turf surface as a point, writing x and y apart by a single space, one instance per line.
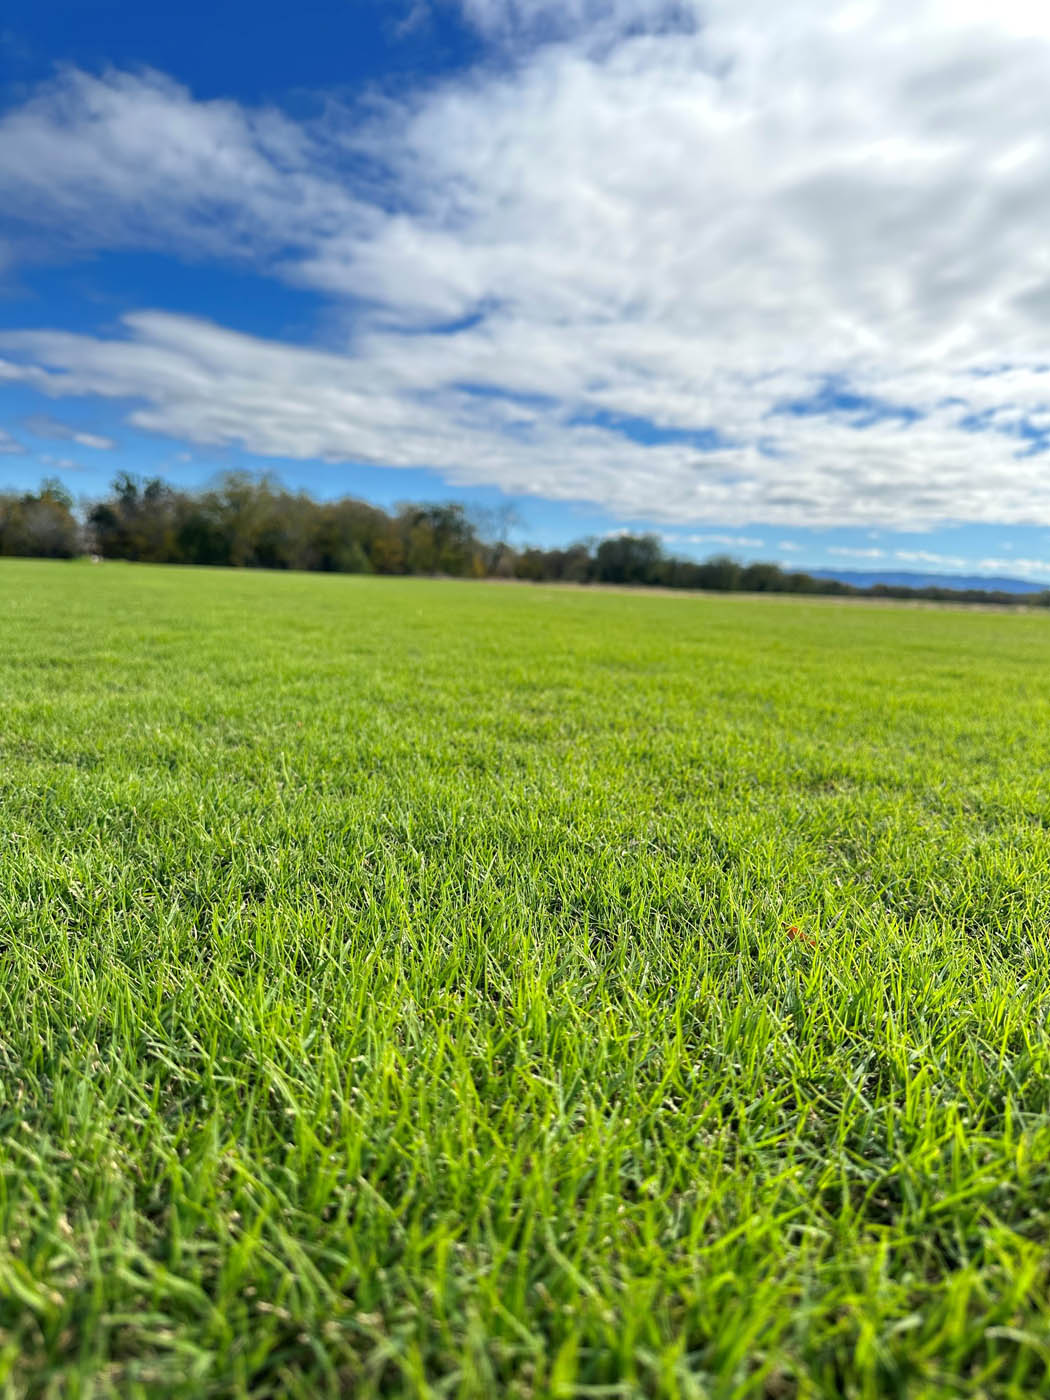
418 988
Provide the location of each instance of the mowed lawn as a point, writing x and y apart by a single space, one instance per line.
425 988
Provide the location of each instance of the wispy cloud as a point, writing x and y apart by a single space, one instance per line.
953 563
933 559
629 218
417 15
1028 568
8 444
729 541
42 426
61 464
849 552
596 23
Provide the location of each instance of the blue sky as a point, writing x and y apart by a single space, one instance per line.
768 279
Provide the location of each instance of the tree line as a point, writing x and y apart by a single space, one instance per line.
243 521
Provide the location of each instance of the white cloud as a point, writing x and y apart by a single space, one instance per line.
8 444
631 219
1028 568
40 425
594 21
730 541
953 563
131 160
933 559
848 552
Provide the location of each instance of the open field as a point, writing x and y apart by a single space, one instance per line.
399 994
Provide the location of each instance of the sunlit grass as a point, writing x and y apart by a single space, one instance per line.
398 992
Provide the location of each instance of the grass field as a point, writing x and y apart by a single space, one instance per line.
399 991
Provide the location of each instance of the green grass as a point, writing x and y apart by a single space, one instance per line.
397 998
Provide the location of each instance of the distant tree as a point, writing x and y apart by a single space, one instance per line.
40 523
255 522
138 521
531 564
720 574
762 578
439 539
493 528
628 559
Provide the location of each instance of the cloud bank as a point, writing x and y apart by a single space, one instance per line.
728 261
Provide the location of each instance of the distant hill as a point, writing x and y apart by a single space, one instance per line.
860 579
